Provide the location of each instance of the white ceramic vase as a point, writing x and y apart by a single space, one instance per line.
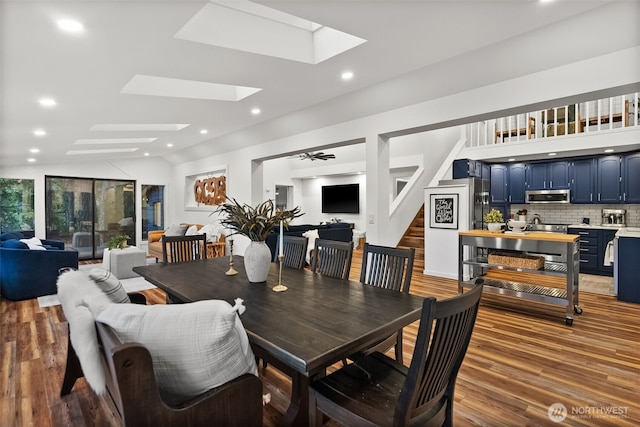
257 260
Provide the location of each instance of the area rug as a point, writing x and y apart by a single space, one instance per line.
596 284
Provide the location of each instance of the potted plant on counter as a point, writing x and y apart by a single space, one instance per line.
256 223
494 220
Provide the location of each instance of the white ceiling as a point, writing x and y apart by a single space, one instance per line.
406 41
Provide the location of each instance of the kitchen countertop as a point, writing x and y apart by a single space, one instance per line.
596 226
529 235
629 232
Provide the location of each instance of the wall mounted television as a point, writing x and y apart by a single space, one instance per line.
341 198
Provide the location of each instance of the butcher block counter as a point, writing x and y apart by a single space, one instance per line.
535 266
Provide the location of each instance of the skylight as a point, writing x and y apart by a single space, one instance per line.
139 127
250 27
114 141
179 88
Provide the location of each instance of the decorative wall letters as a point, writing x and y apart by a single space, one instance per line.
210 191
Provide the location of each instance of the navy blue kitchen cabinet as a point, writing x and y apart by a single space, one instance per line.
593 245
588 241
467 168
631 178
516 182
548 175
628 269
499 184
609 179
583 180
605 237
486 172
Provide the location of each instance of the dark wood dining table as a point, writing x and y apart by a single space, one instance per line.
315 323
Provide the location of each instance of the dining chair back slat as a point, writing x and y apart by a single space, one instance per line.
184 248
387 267
332 258
294 249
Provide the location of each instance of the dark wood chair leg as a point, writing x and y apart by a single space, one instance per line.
72 371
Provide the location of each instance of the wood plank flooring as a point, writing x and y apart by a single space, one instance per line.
522 358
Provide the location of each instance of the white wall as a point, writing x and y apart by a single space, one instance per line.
440 244
312 200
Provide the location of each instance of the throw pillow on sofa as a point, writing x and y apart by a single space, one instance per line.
212 231
14 244
110 285
176 230
194 347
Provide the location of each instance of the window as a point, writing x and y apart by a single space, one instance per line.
16 205
152 209
85 212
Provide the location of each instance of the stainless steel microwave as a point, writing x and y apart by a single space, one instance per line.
547 196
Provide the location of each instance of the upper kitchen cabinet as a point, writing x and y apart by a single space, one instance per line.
608 182
548 175
517 182
499 184
631 178
467 168
583 180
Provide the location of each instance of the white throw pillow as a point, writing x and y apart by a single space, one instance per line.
192 231
176 230
34 244
194 347
110 285
212 231
312 235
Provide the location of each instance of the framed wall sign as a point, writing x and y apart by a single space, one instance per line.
443 211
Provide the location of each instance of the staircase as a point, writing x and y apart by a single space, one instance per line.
414 238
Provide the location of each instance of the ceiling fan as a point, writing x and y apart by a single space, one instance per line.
316 156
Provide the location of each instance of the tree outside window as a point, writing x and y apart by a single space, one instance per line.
16 204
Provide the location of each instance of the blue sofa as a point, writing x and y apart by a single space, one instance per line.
340 231
26 273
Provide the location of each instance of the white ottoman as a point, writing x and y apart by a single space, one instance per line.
120 262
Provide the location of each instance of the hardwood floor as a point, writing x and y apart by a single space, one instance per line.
522 359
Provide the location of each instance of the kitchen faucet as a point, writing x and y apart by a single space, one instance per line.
536 219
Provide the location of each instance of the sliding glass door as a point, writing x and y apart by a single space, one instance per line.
152 209
86 212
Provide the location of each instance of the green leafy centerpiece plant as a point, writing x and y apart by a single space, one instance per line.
118 242
494 220
256 223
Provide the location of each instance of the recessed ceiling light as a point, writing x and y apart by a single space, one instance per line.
204 131
146 154
553 154
39 132
169 145
512 159
70 26
255 111
347 75
609 150
31 160
47 102
34 150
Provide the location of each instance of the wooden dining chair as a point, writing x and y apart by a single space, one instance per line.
184 248
388 268
380 391
294 249
332 258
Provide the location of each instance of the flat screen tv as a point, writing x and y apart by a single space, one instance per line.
341 198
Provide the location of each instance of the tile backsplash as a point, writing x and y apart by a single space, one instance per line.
573 214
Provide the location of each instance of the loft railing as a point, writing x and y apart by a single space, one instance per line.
592 116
